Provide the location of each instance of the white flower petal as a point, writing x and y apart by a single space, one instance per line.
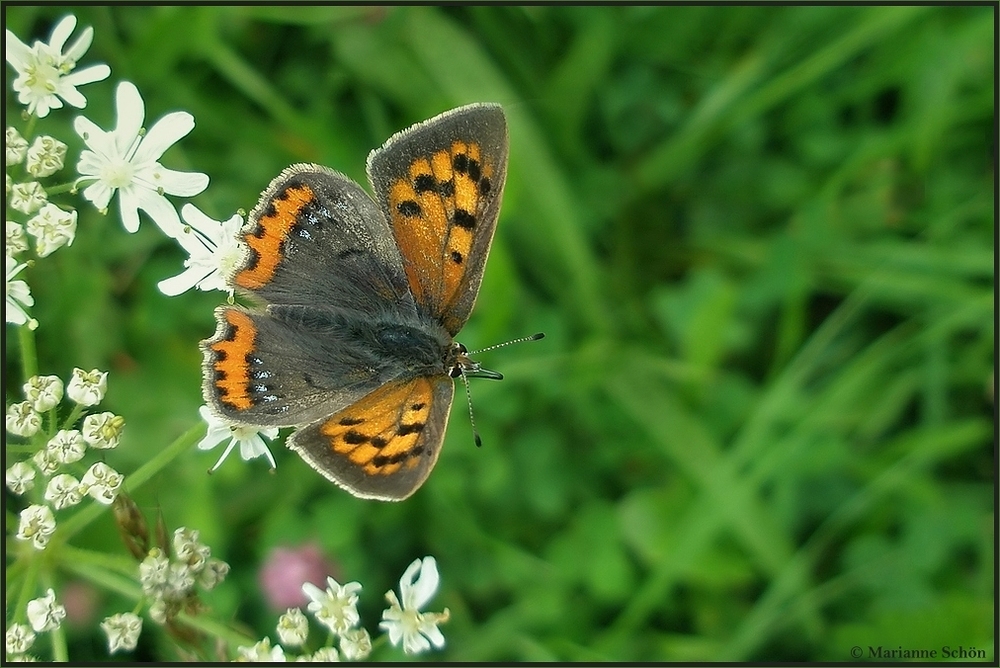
61 32
181 184
432 632
128 203
131 112
86 75
81 44
100 195
156 207
182 282
17 52
165 133
427 583
97 140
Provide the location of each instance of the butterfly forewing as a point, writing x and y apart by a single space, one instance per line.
317 238
440 184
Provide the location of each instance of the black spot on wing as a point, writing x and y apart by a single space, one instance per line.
408 208
474 170
414 428
464 219
424 183
355 437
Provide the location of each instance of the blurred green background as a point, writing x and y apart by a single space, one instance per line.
760 241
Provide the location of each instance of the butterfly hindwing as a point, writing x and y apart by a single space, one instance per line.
279 371
384 445
439 185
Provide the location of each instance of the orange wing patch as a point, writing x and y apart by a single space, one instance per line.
435 209
232 370
273 228
380 433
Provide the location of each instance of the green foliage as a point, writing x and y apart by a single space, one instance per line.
760 241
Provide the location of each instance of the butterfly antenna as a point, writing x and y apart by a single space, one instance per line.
487 374
472 418
533 337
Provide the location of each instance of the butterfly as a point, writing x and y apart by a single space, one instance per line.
359 299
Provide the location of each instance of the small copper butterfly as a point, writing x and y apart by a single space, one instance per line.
361 299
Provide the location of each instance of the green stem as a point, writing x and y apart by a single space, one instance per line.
74 524
29 355
27 586
60 189
73 416
216 629
87 566
52 420
30 128
120 564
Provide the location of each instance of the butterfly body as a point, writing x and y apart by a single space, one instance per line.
361 300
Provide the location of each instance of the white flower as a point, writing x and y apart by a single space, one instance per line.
87 388
123 631
22 420
188 549
19 639
335 608
405 622
27 197
20 477
17 146
158 610
126 160
52 228
101 482
37 525
250 440
46 460
153 571
293 628
356 644
44 614
67 446
180 580
103 431
46 156
322 655
16 240
213 573
261 652
63 491
44 392
18 296
45 73
214 248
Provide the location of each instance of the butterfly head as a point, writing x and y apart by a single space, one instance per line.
462 364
